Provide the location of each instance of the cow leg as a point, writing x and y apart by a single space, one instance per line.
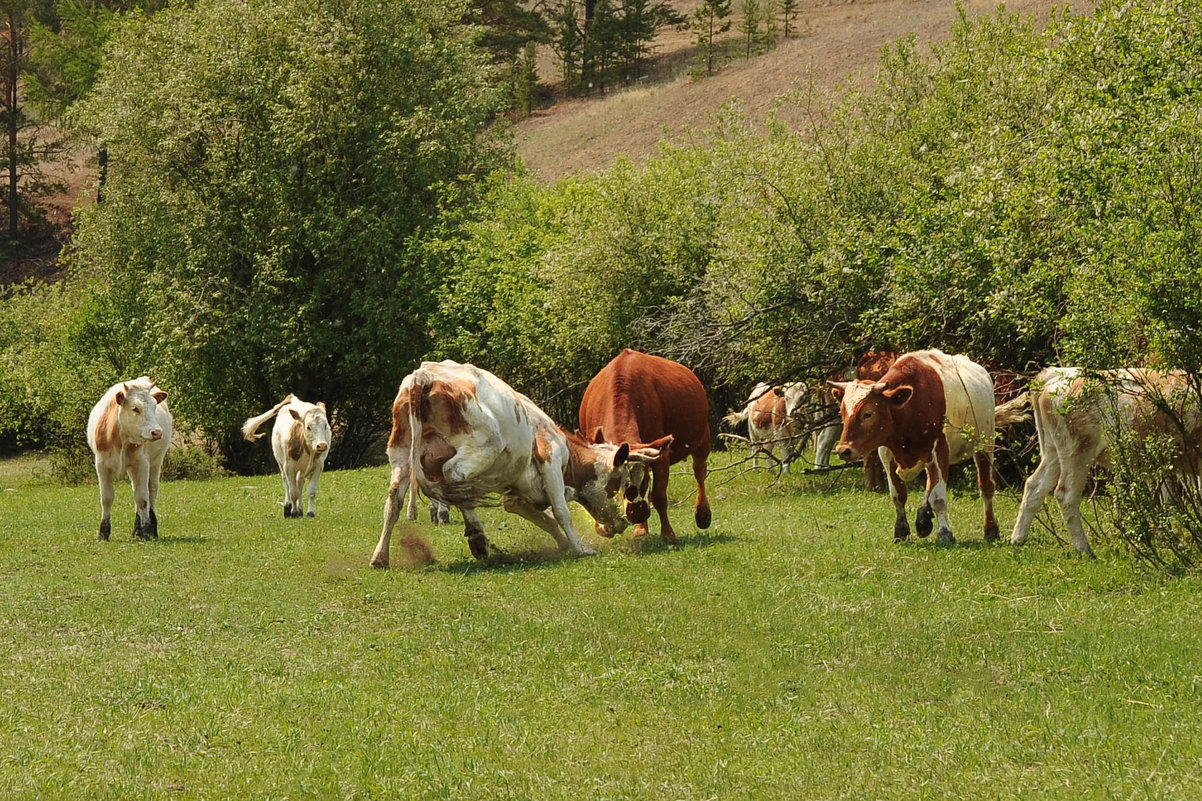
1068 494
139 478
392 510
659 498
548 521
152 487
473 529
1039 484
937 473
107 493
701 512
984 460
824 443
313 486
874 473
924 517
898 493
287 490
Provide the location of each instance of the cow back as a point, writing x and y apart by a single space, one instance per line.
640 398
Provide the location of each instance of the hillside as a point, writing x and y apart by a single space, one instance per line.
839 43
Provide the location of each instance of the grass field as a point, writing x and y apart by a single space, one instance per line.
792 651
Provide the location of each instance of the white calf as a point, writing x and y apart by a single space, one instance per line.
1076 416
300 441
129 431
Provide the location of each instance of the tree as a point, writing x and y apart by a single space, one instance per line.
788 12
749 26
277 166
710 21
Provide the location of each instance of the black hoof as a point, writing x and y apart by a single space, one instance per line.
310 514
287 510
924 521
106 528
703 517
478 544
901 531
154 525
991 533
945 537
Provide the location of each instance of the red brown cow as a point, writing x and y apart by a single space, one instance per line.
928 412
642 398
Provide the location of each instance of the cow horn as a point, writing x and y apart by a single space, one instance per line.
879 387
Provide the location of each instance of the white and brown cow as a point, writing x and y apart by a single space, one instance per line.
300 441
1076 417
461 434
770 414
927 412
129 431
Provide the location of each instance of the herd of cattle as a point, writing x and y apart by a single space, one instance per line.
460 436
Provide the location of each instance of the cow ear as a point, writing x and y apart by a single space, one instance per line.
598 436
621 455
837 389
159 396
645 454
778 392
320 404
899 396
661 443
119 398
295 414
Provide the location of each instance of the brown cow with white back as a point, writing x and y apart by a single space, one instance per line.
129 431
638 397
928 411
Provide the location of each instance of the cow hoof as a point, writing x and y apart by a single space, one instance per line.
668 537
444 517
639 531
106 528
945 537
924 521
991 533
310 515
901 531
478 545
703 517
380 562
287 510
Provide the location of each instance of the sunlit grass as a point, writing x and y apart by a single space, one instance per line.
790 651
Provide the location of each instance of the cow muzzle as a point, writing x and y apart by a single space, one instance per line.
156 435
321 447
846 453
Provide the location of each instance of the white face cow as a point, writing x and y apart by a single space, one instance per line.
621 473
129 431
300 442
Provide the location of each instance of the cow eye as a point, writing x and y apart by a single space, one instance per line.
136 410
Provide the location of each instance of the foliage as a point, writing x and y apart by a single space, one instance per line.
710 20
275 165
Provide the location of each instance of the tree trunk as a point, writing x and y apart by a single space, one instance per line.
10 102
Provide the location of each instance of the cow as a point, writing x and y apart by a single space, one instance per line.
300 441
929 411
460 435
770 416
637 397
1076 417
129 431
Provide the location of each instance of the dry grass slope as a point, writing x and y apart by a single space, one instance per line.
838 44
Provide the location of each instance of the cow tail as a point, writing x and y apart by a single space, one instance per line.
734 418
252 425
1012 412
419 409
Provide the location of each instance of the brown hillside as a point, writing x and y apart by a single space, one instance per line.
838 43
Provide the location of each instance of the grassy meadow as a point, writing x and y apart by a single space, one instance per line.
792 651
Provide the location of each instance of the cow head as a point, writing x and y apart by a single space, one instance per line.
867 411
315 427
795 395
138 411
620 472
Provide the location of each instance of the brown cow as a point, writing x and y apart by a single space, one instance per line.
642 398
928 412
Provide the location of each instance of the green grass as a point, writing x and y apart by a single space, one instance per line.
792 651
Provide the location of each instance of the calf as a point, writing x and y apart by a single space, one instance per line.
927 412
642 398
300 441
1076 417
129 431
460 434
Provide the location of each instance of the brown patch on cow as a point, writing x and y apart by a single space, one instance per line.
768 410
908 429
400 437
581 467
108 434
542 445
874 364
442 404
296 440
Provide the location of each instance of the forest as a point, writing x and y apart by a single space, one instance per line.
313 197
